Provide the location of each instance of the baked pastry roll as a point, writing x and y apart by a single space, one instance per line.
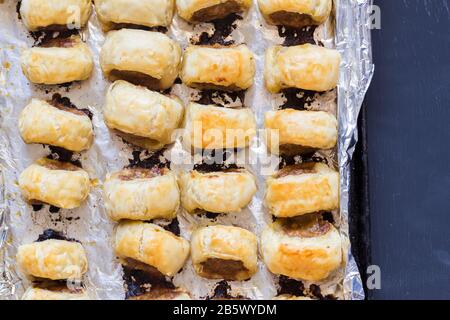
225 68
56 125
53 259
34 293
295 13
207 10
149 116
218 192
59 61
60 184
305 248
301 189
224 252
307 67
150 13
141 57
294 131
55 14
211 127
151 245
141 194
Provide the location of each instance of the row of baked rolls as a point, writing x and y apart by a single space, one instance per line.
153 59
113 14
218 252
147 194
50 261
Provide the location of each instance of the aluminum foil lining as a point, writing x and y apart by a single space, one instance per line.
347 30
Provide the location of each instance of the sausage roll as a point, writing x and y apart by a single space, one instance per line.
35 293
307 67
226 68
48 123
53 259
301 189
149 13
141 194
60 61
211 127
305 248
151 245
55 14
147 115
197 11
224 252
294 131
295 13
141 57
60 184
218 192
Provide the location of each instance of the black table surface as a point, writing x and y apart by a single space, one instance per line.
407 112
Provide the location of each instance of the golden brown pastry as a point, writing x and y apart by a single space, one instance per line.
218 192
141 194
60 61
147 115
302 189
307 67
35 293
225 68
291 131
211 127
60 184
224 252
141 57
305 248
197 11
53 259
56 125
55 14
295 13
152 245
149 13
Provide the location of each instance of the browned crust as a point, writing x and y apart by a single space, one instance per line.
291 19
296 169
68 42
226 269
217 11
140 173
61 106
307 226
58 165
210 86
294 149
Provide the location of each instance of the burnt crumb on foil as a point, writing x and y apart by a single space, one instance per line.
65 102
297 36
222 30
37 207
289 160
174 227
51 234
216 161
118 26
19 3
221 98
44 37
139 282
290 286
298 99
63 155
222 292
148 161
315 291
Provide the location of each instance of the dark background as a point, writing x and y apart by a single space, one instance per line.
406 120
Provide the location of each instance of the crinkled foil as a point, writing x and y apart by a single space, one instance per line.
347 30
